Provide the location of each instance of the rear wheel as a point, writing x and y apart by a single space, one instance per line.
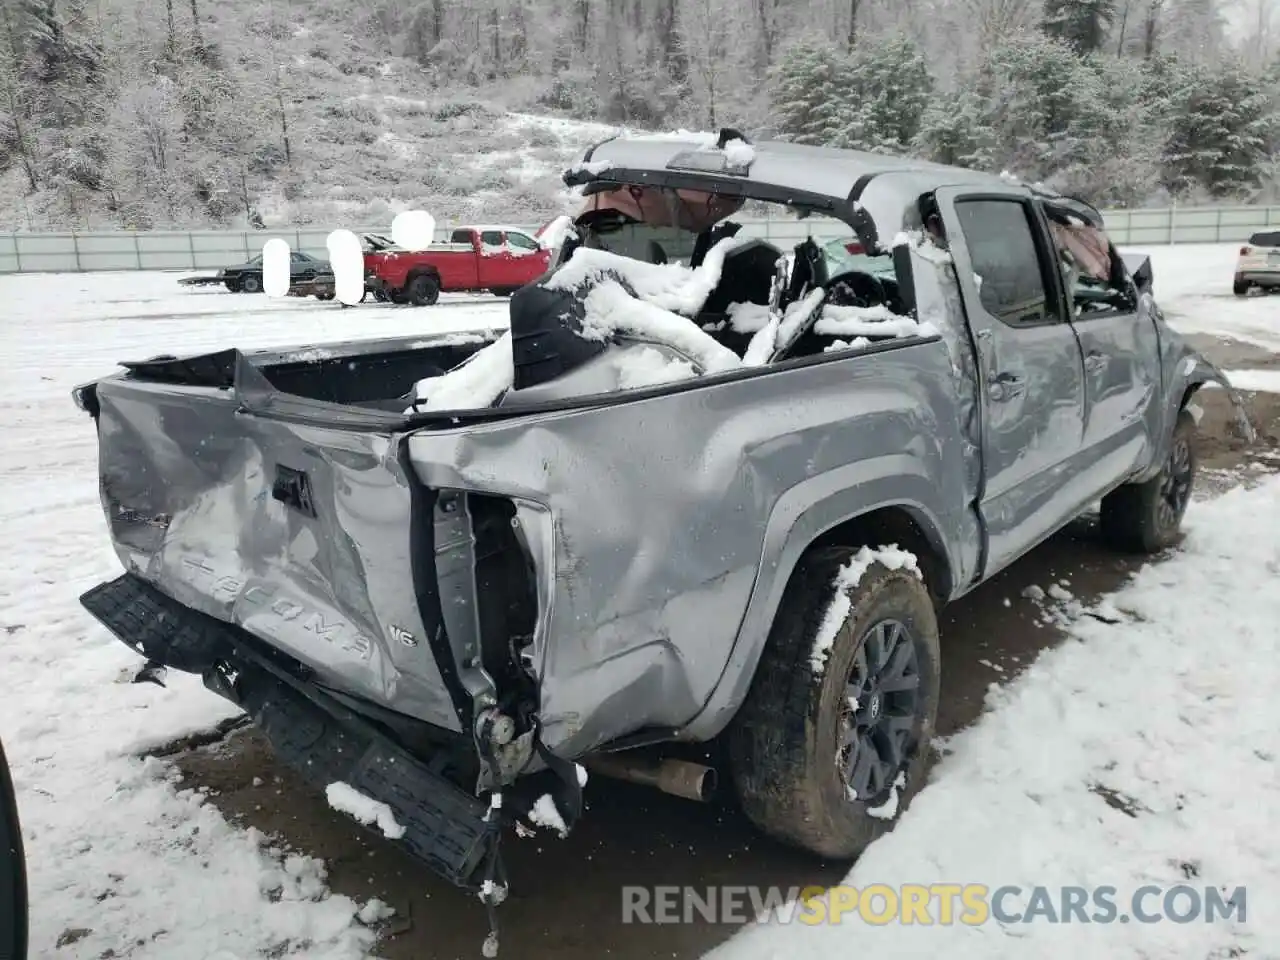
826 754
423 290
1241 288
13 872
501 291
1147 517
251 283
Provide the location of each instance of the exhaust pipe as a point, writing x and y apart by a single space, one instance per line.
680 778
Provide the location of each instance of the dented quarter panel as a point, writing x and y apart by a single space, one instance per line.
1182 368
187 488
657 549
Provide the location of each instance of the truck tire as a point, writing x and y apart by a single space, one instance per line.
789 765
1241 288
13 873
423 289
1147 517
501 291
251 283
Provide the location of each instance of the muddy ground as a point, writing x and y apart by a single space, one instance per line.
566 900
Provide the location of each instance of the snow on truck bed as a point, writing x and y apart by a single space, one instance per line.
118 848
657 302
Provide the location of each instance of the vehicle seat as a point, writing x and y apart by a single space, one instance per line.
747 277
709 238
809 271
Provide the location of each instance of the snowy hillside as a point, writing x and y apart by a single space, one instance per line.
130 113
1165 700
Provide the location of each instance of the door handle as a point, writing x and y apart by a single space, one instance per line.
1004 386
1095 362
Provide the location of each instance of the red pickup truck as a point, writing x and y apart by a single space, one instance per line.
498 259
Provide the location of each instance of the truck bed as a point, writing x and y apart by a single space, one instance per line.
277 493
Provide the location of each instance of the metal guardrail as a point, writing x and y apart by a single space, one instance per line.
212 249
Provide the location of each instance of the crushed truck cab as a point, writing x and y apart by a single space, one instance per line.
703 488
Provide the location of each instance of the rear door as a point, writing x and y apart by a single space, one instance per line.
528 259
1121 355
495 259
1032 380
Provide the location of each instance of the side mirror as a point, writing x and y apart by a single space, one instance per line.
1139 266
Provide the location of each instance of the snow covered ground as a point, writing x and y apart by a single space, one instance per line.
1171 708
1193 285
1170 705
117 854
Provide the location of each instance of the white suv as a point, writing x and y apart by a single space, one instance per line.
1258 264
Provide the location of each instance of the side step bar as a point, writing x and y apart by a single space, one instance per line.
322 739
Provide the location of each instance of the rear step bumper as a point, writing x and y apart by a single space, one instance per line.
309 730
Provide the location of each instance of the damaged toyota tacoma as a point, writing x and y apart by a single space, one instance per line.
703 488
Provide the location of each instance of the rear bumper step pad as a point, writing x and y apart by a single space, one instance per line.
323 740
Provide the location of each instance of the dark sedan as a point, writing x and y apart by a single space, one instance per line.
247 277
13 873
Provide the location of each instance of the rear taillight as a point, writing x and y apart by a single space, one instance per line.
1245 251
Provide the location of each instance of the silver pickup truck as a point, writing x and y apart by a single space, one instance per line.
719 497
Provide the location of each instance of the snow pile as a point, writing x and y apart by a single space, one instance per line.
876 321
1141 751
671 286
857 343
703 138
647 367
1058 606
841 607
748 317
477 382
611 309
592 168
546 815
374 912
347 799
739 153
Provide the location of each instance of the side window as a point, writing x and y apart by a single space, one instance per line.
491 238
521 242
461 236
1089 271
1010 274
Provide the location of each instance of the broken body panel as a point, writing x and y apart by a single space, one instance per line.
587 572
